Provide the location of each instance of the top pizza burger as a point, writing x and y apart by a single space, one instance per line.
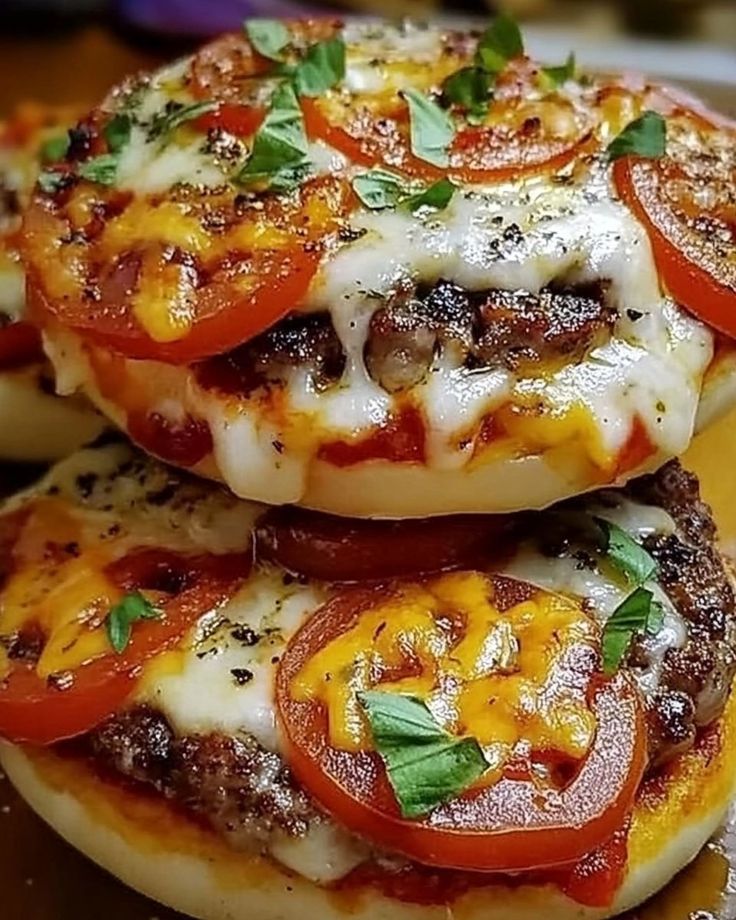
392 271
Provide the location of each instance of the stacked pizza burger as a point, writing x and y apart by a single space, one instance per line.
397 603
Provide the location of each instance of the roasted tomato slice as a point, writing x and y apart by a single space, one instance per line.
151 282
340 549
687 203
566 749
65 625
522 133
20 343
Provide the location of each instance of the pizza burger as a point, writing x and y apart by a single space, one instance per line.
400 606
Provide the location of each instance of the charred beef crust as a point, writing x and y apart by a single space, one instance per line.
493 329
696 678
243 791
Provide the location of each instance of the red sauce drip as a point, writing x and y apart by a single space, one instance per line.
636 450
400 440
20 344
182 443
595 880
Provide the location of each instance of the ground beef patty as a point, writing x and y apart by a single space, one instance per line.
248 794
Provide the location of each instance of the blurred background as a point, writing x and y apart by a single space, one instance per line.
72 50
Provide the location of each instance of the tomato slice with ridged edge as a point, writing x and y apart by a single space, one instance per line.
517 822
43 711
687 204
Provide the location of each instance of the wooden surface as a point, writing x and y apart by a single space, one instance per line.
41 877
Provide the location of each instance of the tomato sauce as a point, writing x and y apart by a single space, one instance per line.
400 440
636 450
183 443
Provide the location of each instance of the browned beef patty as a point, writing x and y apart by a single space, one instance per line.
493 329
248 793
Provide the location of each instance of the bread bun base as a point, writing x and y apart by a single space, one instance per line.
156 851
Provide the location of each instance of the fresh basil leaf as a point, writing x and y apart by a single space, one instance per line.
102 169
470 90
626 554
55 148
175 114
432 129
321 68
280 147
557 76
268 36
50 181
629 618
378 189
120 619
655 621
500 43
646 136
117 131
425 766
437 196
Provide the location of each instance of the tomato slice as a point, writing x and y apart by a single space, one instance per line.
687 204
39 711
20 344
519 822
240 120
340 549
255 276
520 136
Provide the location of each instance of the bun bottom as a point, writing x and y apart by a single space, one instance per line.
161 854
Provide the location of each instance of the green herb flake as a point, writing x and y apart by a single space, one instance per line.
321 68
637 613
117 131
268 36
50 181
646 136
432 129
176 114
120 619
425 765
437 196
55 148
102 169
626 554
499 44
280 148
552 77
470 90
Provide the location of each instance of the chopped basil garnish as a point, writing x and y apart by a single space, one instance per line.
321 68
637 613
102 169
432 129
280 151
470 90
117 131
425 765
120 619
626 554
556 76
175 114
646 136
500 43
55 148
379 189
268 36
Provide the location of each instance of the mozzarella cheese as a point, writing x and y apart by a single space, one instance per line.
116 499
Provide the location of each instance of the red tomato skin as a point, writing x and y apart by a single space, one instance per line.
20 344
712 299
354 788
34 711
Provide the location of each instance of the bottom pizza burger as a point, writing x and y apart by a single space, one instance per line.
274 713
